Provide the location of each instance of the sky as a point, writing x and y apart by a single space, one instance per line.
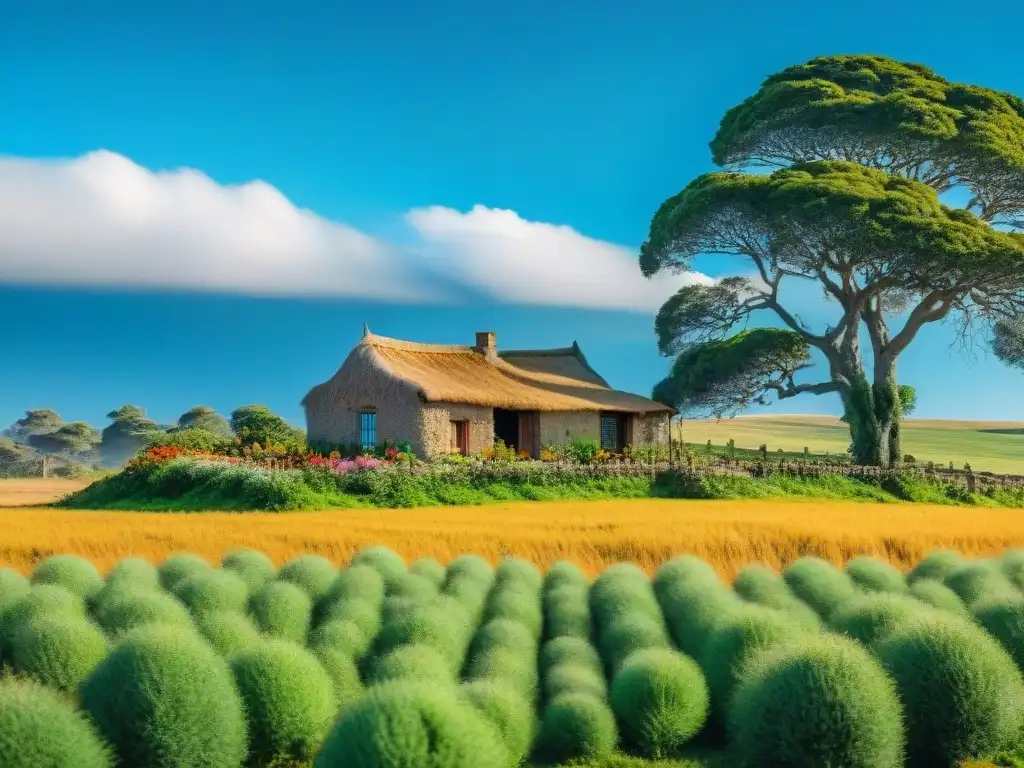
203 202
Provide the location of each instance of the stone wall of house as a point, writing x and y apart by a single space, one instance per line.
436 427
332 412
558 428
650 430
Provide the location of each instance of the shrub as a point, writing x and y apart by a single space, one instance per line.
660 701
1003 618
421 663
388 563
572 677
569 650
693 602
124 609
12 586
981 579
871 618
288 699
937 565
503 633
565 573
358 582
163 697
873 575
761 585
76 574
472 567
504 664
824 701
520 571
1012 563
134 572
340 635
576 726
412 586
40 600
227 631
343 673
39 728
509 712
516 605
402 724
57 651
356 611
963 696
180 566
938 595
621 588
283 610
429 569
567 612
627 634
252 566
732 644
425 625
213 590
315 574
819 584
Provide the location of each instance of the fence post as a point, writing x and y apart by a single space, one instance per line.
46 465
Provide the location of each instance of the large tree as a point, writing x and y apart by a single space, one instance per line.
205 418
833 176
257 423
129 432
40 421
74 439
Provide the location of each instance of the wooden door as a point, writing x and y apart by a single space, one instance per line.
460 437
529 433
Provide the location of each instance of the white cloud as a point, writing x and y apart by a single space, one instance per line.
532 262
100 219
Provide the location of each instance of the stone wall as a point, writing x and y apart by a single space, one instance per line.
555 425
650 430
436 427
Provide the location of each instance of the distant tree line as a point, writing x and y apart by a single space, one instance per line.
43 432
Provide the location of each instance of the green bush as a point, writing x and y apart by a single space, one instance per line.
472 567
283 610
520 571
76 574
1003 618
569 650
693 600
343 672
431 570
57 651
403 724
628 633
1012 563
420 663
288 699
660 701
134 572
40 600
938 595
252 566
873 575
503 633
425 625
503 664
873 617
576 726
213 590
227 631
734 642
567 612
39 728
573 677
412 586
163 697
686 570
622 588
357 582
125 608
824 701
516 605
936 565
760 585
980 580
819 584
962 694
315 574
341 635
356 611
509 712
12 586
388 563
565 573
179 567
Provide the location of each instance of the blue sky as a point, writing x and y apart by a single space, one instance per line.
431 169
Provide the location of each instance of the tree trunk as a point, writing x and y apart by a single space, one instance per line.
873 413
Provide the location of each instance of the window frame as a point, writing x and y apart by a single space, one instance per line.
619 439
367 429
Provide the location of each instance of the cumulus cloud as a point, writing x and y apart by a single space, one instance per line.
532 262
100 219
103 220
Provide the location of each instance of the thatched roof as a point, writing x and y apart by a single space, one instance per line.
526 380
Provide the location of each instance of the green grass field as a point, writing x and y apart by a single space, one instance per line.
987 445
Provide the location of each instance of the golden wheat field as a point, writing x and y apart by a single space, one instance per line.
728 534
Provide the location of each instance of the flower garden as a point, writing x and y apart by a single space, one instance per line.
380 663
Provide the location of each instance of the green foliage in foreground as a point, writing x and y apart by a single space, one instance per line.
191 485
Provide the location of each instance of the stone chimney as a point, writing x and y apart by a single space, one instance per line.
486 344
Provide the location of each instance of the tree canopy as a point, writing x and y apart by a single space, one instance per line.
205 418
128 433
862 147
36 422
257 423
71 439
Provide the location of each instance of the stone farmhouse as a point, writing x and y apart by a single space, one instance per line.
447 399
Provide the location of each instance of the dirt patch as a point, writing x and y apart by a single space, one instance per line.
36 491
